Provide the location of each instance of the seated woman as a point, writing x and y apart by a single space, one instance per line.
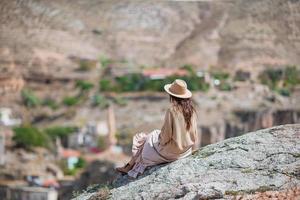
175 140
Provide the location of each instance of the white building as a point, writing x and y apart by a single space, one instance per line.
5 118
19 190
88 135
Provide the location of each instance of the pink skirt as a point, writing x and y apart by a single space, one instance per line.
145 151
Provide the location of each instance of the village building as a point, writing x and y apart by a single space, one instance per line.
71 156
7 185
6 118
88 135
32 193
19 190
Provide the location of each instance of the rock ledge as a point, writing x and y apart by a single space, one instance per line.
265 160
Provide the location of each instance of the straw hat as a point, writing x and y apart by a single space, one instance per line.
178 89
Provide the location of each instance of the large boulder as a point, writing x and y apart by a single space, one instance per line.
265 160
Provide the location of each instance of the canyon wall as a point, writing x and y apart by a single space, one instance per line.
43 36
244 121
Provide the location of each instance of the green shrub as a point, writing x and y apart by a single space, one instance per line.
193 82
204 87
190 69
274 75
284 92
271 77
81 163
60 131
105 62
96 99
70 172
28 136
130 82
220 75
137 82
70 101
105 85
120 101
196 83
29 98
99 100
291 76
225 86
84 85
50 103
152 85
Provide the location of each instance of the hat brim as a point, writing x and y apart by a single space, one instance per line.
188 93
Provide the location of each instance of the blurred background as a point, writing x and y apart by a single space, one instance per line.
79 78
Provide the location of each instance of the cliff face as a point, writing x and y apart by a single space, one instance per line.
265 160
220 33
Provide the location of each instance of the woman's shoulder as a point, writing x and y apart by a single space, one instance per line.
175 112
172 109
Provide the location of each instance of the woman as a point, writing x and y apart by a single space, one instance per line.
176 138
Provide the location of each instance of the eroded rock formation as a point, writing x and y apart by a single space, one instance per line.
42 35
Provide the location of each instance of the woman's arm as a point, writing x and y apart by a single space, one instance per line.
197 141
195 134
166 130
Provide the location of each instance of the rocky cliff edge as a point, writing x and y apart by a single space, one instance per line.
265 160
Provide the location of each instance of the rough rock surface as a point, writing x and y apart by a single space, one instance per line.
264 160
